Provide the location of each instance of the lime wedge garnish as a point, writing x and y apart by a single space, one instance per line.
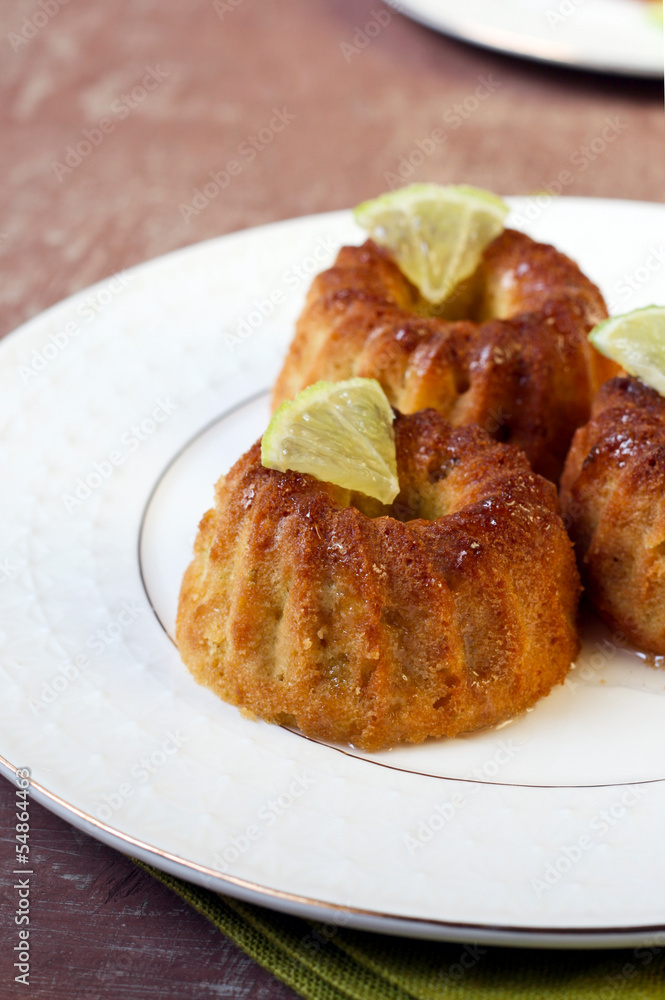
636 341
655 10
340 432
436 235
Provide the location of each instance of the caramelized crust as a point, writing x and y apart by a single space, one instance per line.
451 610
510 352
613 495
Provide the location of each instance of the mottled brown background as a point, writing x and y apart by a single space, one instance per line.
355 118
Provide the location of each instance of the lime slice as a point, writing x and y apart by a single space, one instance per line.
340 432
655 9
435 234
636 341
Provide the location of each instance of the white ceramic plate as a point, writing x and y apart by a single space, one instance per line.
119 408
612 36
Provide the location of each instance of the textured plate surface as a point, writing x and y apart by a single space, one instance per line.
613 36
118 410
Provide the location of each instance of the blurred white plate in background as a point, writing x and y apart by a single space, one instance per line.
611 36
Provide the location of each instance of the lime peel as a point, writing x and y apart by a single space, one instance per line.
339 432
436 234
636 341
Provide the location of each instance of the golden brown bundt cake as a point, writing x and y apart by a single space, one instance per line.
510 354
613 495
451 610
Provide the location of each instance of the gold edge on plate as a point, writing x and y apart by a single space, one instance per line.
497 930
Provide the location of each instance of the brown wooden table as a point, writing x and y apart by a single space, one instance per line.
113 114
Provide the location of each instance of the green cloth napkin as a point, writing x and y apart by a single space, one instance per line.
325 962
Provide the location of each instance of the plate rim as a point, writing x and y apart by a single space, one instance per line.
308 908
150 263
518 936
8 339
464 30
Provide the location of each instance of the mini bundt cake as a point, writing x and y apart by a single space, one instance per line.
510 352
451 610
613 496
